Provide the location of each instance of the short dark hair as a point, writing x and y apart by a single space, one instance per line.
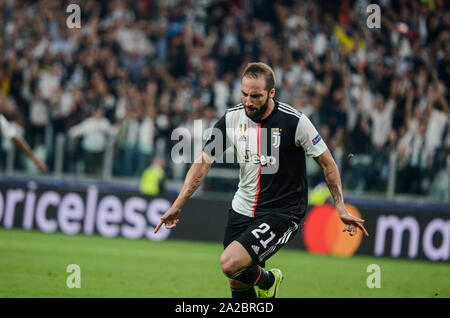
256 69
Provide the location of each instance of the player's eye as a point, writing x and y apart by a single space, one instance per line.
253 96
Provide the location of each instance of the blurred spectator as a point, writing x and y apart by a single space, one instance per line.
381 118
176 61
154 177
358 145
39 119
412 174
438 116
146 143
95 132
127 138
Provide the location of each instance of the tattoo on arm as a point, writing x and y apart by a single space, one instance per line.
194 184
335 193
332 177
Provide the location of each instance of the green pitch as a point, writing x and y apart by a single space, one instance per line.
33 264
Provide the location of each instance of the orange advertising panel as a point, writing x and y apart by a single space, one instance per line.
322 232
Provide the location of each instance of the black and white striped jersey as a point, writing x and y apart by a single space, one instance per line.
271 155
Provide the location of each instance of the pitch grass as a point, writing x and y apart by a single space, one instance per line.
33 264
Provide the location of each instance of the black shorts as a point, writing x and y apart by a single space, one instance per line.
261 237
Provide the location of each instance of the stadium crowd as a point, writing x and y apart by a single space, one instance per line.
136 70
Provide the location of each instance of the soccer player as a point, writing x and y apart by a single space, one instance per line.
270 140
8 131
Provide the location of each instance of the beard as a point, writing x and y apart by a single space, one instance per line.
256 114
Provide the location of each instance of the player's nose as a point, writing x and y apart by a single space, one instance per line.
247 101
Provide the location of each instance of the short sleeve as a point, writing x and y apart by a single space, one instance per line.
307 136
7 130
216 142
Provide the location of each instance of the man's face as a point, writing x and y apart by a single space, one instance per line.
255 97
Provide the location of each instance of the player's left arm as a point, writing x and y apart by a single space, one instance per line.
333 180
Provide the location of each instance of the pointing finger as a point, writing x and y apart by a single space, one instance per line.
158 226
363 229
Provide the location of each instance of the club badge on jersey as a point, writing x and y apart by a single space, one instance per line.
276 137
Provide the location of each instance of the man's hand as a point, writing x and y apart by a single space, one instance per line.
352 223
194 178
333 179
170 219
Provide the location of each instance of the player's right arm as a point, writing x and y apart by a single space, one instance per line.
194 178
214 147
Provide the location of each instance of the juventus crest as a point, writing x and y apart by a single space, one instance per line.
276 137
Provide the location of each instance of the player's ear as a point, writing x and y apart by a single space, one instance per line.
272 93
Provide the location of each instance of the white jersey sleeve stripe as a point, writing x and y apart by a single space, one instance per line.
290 108
288 112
